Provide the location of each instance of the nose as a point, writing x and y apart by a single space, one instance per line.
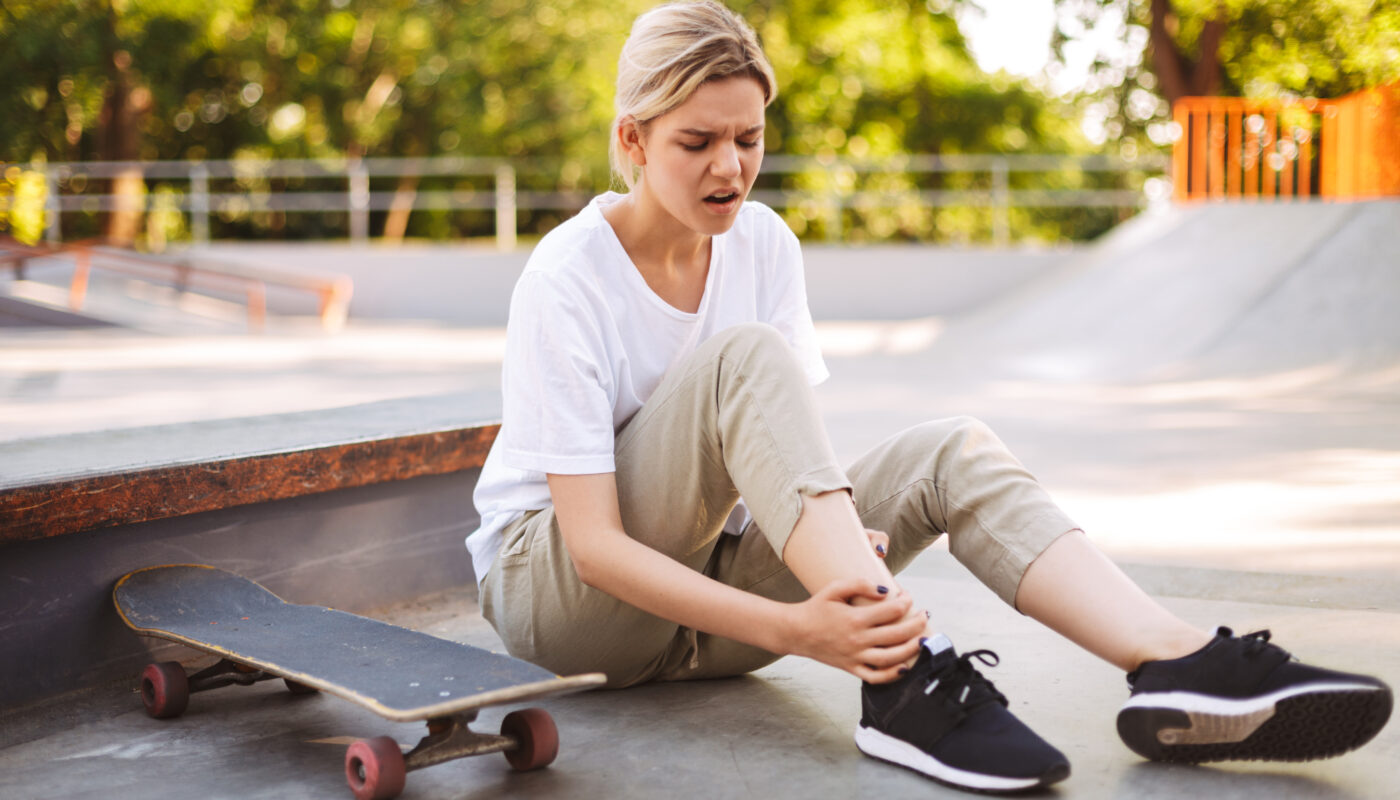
726 161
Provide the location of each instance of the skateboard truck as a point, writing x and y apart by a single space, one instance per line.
376 768
451 738
166 688
228 673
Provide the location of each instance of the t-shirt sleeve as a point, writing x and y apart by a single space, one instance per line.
786 301
556 385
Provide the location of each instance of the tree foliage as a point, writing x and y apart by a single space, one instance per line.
185 79
1285 49
867 80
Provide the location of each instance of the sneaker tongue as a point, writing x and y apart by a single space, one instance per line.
937 643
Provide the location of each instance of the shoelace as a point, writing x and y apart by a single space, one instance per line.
1258 642
1254 643
961 673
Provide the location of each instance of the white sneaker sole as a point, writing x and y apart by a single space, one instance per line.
1219 719
896 751
1299 723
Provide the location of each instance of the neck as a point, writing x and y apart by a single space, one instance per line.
655 240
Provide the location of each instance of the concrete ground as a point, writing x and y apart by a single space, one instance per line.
784 732
1242 469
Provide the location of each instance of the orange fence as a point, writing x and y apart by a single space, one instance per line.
1236 148
1361 144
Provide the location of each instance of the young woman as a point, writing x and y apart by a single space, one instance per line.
662 502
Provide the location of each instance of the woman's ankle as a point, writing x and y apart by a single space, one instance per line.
1172 644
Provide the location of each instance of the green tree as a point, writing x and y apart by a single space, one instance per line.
185 79
1250 48
873 79
88 79
22 204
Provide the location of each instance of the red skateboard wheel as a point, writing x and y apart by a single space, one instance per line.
165 689
374 768
537 738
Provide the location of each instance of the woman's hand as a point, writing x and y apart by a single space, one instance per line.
872 641
879 541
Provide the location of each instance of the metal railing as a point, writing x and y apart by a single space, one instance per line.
186 273
504 198
998 196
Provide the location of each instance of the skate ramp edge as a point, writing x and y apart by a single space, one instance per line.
1237 287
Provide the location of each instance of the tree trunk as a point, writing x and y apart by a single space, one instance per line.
1178 75
396 224
124 105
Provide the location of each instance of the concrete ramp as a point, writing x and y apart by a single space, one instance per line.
1338 306
1235 287
19 313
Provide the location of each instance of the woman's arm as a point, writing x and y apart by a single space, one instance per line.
870 641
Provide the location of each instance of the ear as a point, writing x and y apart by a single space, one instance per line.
630 134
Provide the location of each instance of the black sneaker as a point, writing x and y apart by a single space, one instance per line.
1245 699
947 721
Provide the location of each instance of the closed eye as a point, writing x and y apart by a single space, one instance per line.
695 148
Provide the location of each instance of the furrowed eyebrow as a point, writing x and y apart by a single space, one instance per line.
701 132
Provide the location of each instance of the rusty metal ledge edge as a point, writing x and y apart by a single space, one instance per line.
48 509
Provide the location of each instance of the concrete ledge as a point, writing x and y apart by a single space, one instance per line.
354 508
355 549
61 485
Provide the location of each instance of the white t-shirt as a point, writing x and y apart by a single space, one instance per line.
588 341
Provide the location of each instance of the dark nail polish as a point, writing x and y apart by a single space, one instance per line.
928 615
882 589
903 670
879 548
923 639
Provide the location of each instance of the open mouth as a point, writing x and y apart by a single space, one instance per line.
721 198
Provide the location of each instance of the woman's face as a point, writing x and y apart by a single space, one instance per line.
701 158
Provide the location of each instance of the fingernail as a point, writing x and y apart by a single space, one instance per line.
923 639
903 670
882 589
879 548
928 615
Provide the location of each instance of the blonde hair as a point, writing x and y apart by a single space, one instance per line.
673 50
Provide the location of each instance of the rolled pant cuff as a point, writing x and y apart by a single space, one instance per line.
1008 573
779 521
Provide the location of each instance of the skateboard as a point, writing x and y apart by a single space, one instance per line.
399 674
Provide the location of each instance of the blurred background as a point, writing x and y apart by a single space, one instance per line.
896 120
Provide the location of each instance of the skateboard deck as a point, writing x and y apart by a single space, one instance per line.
400 674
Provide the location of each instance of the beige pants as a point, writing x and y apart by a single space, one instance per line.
738 418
